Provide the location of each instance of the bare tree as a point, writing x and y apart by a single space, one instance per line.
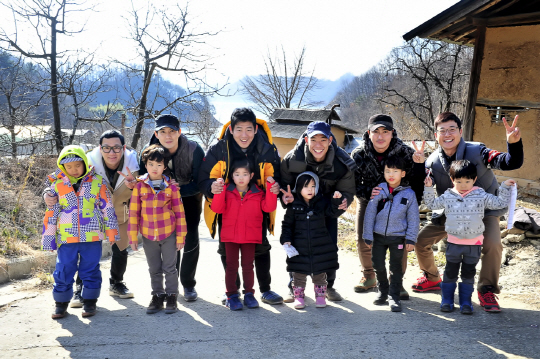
426 77
165 40
203 124
48 19
283 85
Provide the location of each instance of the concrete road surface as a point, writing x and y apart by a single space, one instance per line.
353 328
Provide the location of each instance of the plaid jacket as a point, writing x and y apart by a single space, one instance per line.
157 216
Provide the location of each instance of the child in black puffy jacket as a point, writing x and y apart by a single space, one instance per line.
304 227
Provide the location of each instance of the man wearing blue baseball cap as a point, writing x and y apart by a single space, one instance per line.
317 151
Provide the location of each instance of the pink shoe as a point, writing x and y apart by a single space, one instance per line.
299 298
320 294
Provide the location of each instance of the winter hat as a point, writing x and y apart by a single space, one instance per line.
308 173
70 158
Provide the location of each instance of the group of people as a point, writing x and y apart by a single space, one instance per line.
109 193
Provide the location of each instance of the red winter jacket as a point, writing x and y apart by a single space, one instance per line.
242 218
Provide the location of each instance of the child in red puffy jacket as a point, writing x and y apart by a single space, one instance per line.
241 204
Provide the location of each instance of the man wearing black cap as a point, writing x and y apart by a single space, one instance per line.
183 167
381 142
317 151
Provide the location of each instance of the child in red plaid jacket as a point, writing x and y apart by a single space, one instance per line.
156 210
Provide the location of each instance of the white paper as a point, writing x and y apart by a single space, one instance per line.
512 207
290 250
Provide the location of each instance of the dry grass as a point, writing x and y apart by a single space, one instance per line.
21 206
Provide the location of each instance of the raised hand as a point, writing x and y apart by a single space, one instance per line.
513 133
130 180
275 186
428 182
287 195
217 186
418 156
337 194
510 182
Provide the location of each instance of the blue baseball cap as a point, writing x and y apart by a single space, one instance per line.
319 128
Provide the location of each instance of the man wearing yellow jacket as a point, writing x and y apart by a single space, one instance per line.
244 136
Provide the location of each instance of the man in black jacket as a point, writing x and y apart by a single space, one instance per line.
381 142
318 152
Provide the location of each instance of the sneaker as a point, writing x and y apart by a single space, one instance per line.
190 294
60 310
403 294
171 306
289 298
270 297
488 299
333 295
234 303
395 305
77 301
224 298
250 301
365 285
380 299
119 289
156 304
89 308
424 285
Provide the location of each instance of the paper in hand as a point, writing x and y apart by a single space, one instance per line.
290 250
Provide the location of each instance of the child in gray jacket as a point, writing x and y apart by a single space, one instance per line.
391 223
464 207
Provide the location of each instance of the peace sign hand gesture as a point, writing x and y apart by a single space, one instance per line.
513 134
418 156
130 180
287 195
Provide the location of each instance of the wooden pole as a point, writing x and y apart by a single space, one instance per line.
474 82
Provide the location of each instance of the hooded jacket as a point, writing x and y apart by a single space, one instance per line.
465 214
370 171
304 226
186 163
243 217
217 162
392 214
83 216
336 173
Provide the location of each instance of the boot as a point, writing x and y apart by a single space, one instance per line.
447 295
171 305
320 295
89 308
299 298
60 310
465 298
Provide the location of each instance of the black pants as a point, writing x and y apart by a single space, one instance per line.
396 246
332 226
187 266
119 261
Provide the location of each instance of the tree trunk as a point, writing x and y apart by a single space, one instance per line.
54 91
76 120
148 70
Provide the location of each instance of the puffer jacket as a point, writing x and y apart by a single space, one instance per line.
370 172
243 217
336 173
304 226
465 214
84 216
217 162
392 214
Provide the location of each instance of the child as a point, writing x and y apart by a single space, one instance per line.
304 227
242 204
76 225
464 207
391 223
156 210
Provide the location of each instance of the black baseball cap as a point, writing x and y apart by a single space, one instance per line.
380 120
170 121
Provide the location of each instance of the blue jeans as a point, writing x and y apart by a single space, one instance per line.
88 267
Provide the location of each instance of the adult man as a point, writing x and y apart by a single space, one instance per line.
118 166
183 167
244 136
452 148
317 151
380 142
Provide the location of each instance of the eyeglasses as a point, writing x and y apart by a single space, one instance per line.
107 149
451 131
